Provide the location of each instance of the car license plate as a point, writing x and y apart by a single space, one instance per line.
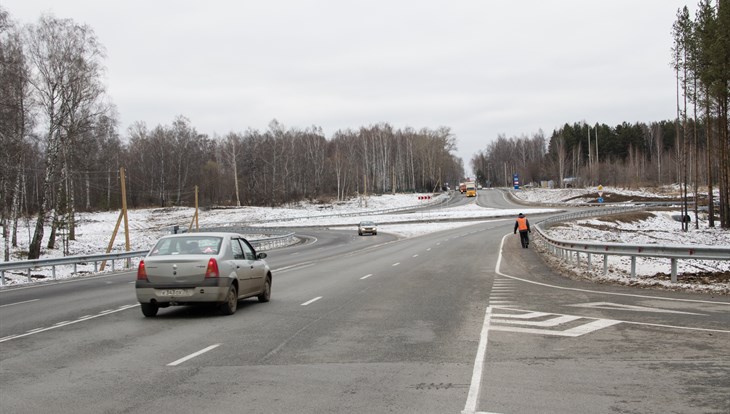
174 292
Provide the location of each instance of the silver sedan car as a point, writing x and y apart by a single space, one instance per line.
192 268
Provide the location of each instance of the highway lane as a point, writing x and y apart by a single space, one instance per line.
370 324
42 306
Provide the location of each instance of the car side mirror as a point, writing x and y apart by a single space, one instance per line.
261 256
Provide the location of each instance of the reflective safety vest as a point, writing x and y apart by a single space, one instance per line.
522 223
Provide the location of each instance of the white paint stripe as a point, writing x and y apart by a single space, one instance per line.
415 255
659 325
60 324
311 301
593 326
530 315
296 266
428 250
193 355
633 295
542 324
396 264
366 276
18 303
476 378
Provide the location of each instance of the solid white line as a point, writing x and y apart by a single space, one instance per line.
476 378
366 276
18 303
296 266
311 301
396 264
60 324
193 355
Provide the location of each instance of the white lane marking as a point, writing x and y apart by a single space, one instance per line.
415 255
476 378
193 355
18 303
60 324
659 325
530 315
572 333
633 308
633 295
296 266
428 250
311 301
542 324
366 276
396 264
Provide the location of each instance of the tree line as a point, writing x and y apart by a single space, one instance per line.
62 150
692 150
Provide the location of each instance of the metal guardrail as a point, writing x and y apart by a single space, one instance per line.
569 249
282 239
263 244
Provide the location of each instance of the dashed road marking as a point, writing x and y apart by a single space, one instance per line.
193 355
311 301
366 276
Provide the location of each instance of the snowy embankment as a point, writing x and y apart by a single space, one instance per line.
94 230
653 226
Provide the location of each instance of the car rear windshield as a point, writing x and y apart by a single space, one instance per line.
187 245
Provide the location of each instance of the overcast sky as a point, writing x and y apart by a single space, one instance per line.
483 68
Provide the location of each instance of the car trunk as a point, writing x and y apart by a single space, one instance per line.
182 269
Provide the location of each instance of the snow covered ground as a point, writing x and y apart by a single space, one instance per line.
147 225
654 226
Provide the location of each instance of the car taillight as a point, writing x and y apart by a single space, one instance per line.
141 272
212 270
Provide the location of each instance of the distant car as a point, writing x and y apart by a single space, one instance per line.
194 268
367 227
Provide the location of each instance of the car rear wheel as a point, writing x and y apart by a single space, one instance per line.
265 296
231 304
149 309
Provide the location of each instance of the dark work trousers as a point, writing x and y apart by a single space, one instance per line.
524 238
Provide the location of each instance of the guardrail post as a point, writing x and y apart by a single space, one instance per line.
113 269
29 279
53 271
577 259
633 266
2 278
589 261
76 268
674 270
605 265
96 267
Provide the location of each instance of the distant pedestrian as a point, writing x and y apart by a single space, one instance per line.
523 226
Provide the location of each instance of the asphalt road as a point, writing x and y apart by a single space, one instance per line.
462 320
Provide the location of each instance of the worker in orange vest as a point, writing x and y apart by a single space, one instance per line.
523 226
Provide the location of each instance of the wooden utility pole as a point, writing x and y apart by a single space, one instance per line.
195 216
122 215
